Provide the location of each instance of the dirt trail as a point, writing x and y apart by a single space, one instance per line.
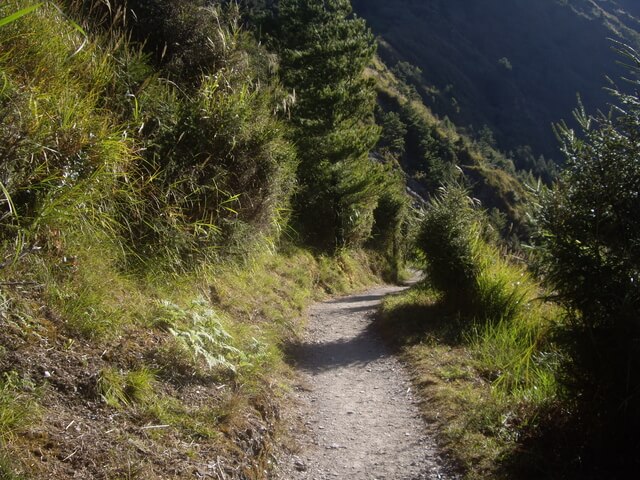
356 402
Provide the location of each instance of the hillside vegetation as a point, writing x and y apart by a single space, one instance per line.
432 153
525 377
179 179
155 254
514 66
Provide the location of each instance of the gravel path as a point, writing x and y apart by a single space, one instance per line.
361 420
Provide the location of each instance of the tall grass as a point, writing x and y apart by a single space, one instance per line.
505 323
126 389
20 13
497 371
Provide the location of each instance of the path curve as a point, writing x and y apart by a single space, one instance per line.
361 420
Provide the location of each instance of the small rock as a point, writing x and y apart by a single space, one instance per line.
300 466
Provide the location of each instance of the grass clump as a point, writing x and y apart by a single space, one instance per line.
17 408
478 337
126 389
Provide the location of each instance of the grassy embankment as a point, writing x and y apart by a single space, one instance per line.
138 339
118 377
478 337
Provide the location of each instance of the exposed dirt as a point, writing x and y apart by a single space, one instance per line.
76 435
354 402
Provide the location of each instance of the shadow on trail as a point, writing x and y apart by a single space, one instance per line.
364 348
358 299
318 357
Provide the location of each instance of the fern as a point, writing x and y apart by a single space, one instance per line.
199 330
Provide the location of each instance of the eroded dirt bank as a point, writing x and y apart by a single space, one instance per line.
355 404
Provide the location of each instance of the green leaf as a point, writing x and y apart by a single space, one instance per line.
20 13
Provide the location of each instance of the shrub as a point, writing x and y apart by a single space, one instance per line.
590 244
449 237
475 276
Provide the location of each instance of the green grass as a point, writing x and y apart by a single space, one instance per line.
518 357
485 373
18 409
119 281
196 423
7 470
126 389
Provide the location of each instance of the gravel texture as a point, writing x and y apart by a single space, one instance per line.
354 404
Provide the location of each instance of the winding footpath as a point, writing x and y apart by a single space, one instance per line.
355 402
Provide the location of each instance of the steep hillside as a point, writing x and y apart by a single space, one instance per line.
515 66
147 286
432 153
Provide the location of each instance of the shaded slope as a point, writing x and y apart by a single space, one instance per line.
434 152
515 66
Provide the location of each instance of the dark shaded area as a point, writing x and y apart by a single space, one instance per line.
409 324
360 350
515 65
318 357
571 447
358 299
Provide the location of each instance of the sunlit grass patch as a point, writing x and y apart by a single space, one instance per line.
18 408
126 389
482 381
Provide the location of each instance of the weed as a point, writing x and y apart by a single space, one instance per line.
120 390
200 332
17 408
198 423
7 469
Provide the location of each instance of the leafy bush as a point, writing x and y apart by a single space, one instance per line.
449 237
220 170
200 333
392 224
465 265
590 242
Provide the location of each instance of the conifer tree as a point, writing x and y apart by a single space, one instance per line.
324 50
590 236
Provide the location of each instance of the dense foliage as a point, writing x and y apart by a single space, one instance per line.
323 54
148 159
591 243
143 143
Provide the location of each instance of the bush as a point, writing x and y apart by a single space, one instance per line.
590 244
449 238
475 277
221 172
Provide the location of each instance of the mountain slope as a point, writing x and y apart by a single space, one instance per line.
515 66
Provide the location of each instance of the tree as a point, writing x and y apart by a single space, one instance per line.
393 134
324 50
590 232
